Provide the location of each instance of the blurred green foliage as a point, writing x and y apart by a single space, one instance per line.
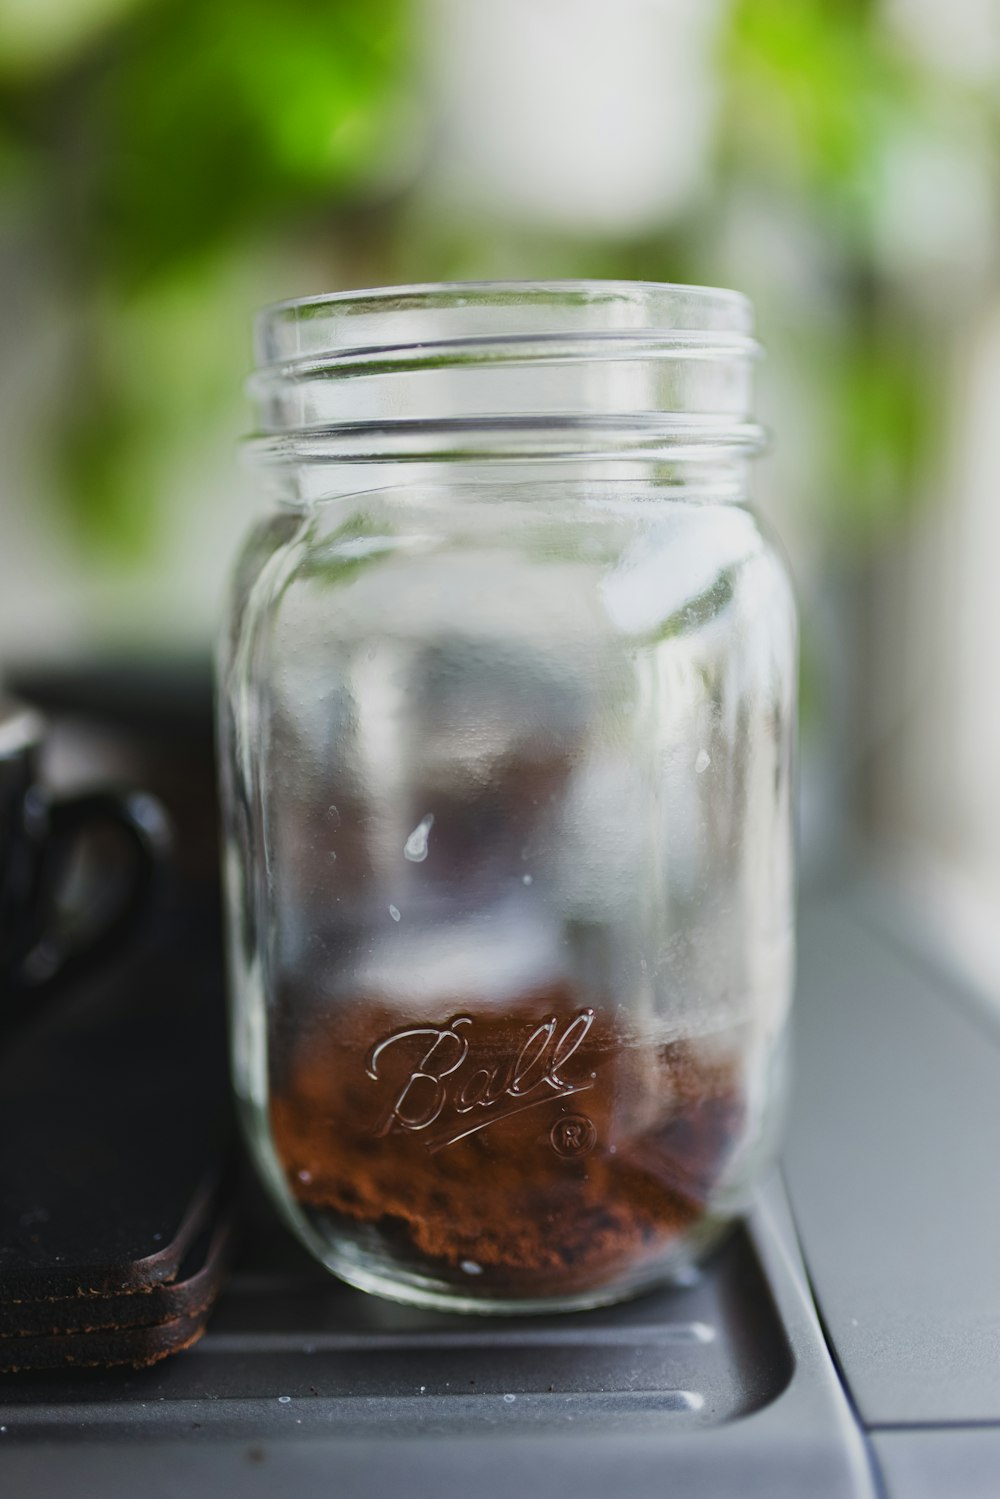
211 121
818 96
813 90
171 139
188 124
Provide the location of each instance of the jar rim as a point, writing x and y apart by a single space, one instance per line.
296 327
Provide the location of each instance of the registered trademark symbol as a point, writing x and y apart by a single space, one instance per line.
573 1135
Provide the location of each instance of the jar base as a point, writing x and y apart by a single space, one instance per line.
406 1288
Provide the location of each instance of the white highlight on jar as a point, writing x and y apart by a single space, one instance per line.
415 847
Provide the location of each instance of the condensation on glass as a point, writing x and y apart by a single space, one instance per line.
506 718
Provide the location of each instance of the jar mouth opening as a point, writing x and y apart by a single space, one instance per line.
513 369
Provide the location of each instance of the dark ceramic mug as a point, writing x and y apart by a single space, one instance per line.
44 937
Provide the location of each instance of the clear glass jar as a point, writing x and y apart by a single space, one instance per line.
506 719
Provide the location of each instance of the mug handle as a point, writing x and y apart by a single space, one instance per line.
144 827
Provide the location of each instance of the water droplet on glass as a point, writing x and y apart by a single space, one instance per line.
284 1399
333 817
526 879
394 913
415 847
686 1275
471 1268
702 761
509 1399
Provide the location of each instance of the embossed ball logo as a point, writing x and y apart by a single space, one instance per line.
573 1135
446 1097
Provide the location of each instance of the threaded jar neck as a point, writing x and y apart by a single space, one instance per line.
561 372
656 360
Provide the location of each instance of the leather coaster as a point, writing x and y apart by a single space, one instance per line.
190 1295
137 1346
138 1328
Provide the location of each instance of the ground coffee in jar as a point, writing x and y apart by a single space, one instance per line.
506 713
533 1153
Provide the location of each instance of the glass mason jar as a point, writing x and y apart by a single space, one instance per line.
506 711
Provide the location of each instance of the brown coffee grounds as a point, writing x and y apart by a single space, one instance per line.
537 1151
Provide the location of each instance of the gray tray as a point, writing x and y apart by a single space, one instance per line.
721 1386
